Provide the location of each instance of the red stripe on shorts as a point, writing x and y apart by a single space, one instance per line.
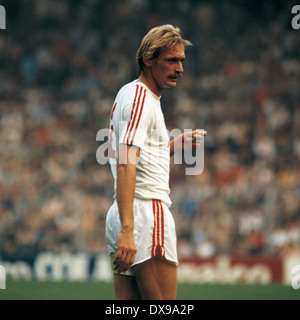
154 228
162 245
158 238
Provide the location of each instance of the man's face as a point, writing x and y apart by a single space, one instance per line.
168 68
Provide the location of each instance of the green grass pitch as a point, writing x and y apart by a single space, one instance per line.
95 290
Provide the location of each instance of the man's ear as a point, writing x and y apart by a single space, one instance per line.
147 62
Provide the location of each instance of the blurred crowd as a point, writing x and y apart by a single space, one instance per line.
61 65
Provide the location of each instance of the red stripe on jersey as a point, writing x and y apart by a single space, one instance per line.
132 111
135 117
136 110
112 111
139 117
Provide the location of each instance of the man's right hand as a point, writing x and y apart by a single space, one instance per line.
126 250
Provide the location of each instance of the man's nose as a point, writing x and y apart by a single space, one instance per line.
179 67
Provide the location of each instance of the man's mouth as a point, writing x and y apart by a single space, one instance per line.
173 77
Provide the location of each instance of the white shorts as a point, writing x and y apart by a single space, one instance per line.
154 231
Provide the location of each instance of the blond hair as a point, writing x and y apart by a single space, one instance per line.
156 39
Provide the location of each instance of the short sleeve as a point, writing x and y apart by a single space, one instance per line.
135 121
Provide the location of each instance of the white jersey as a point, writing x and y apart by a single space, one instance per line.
137 119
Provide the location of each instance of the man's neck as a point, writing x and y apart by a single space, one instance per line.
146 78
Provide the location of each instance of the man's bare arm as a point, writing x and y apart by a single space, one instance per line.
126 179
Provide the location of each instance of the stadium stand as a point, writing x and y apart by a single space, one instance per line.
61 64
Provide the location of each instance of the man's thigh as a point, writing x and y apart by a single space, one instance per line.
156 279
126 287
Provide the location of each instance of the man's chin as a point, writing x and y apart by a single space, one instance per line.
171 84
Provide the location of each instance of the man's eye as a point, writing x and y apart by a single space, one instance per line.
176 60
